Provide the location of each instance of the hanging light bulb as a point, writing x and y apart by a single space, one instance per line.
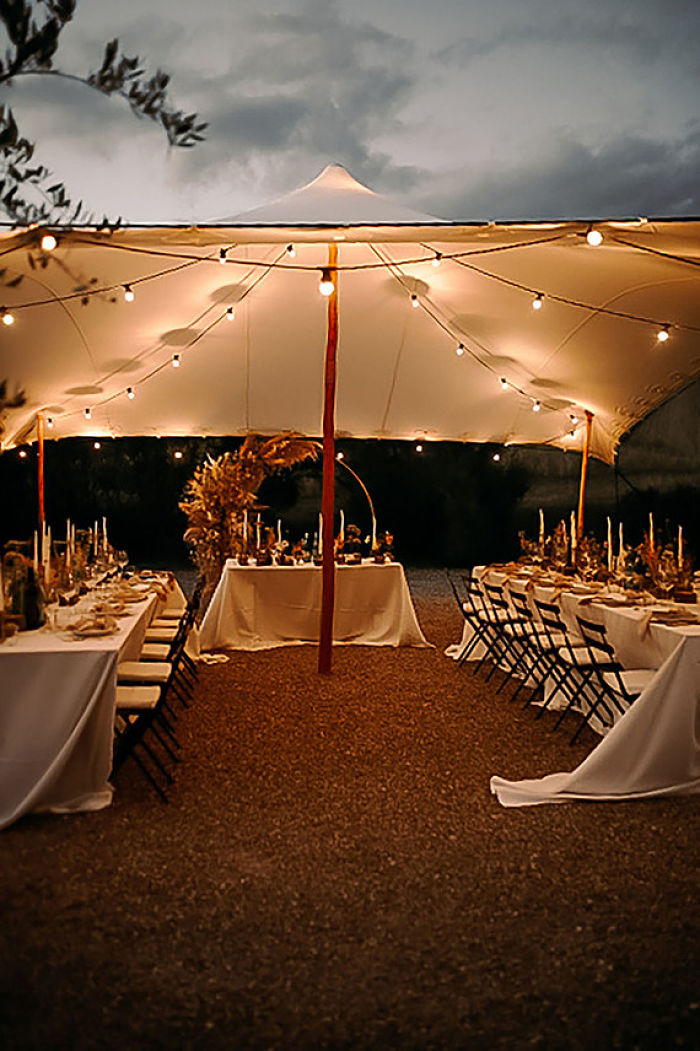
340 456
48 243
176 361
7 317
414 300
594 237
460 350
663 334
97 445
538 301
573 417
130 392
291 251
536 406
230 313
504 383
437 259
49 423
22 454
178 454
419 448
128 294
222 256
88 414
496 457
325 285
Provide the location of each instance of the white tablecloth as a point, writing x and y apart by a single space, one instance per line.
258 607
57 713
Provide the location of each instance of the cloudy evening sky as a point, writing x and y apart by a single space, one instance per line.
474 110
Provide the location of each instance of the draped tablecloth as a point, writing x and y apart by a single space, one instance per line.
259 607
57 712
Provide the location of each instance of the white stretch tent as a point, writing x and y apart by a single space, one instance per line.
77 345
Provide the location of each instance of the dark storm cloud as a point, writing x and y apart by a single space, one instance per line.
628 177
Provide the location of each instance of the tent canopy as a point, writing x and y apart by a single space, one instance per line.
423 348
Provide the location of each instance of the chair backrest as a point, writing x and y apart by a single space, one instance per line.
550 615
603 656
521 604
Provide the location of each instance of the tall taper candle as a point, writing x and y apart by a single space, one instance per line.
680 548
47 563
35 560
342 524
94 540
610 550
572 530
245 530
279 530
651 531
104 534
257 531
320 534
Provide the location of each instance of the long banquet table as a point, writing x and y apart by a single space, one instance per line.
259 607
57 696
654 748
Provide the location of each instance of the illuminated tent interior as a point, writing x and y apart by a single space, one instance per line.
499 332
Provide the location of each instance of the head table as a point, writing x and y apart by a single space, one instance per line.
653 749
57 697
259 607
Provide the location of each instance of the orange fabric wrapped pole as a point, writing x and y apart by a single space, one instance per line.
325 639
584 472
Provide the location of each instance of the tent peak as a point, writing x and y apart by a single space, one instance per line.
333 198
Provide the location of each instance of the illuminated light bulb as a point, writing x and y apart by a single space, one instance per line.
222 256
663 334
414 300
178 454
594 237
128 294
48 243
504 384
419 448
230 313
130 392
437 260
22 454
88 414
176 361
7 317
573 417
291 251
97 445
49 423
538 301
325 285
340 456
496 457
572 434
460 350
536 406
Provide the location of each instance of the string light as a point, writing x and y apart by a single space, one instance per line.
414 300
128 294
663 334
178 454
7 317
496 457
48 243
291 251
504 383
325 285
130 392
230 313
97 445
22 454
176 361
88 414
460 350
573 417
222 256
437 259
340 456
536 406
49 423
538 301
419 448
594 237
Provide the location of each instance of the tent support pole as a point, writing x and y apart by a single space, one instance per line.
325 639
40 470
584 473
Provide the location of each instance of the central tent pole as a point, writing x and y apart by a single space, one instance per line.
325 639
584 472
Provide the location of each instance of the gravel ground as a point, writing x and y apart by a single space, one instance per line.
331 872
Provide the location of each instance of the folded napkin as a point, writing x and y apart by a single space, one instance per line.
92 623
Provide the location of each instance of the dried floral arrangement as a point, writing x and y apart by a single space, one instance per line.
223 488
